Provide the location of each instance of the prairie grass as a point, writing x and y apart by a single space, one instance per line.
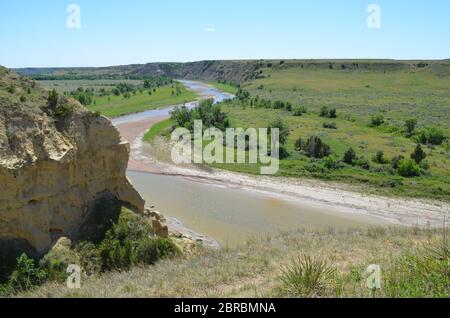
262 267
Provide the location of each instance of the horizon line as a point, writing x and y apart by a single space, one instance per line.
237 60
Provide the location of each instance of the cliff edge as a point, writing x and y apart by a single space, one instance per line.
57 160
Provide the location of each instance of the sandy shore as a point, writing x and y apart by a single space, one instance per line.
410 212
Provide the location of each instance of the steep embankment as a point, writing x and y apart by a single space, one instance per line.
57 160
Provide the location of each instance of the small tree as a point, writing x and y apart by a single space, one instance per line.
379 158
52 99
377 121
410 126
395 161
315 148
418 155
349 156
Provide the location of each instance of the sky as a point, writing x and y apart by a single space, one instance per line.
118 32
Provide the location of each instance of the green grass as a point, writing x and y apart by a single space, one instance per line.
115 106
224 87
158 130
365 140
399 94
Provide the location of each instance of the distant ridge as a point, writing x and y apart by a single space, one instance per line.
236 71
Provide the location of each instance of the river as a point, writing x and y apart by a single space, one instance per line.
226 213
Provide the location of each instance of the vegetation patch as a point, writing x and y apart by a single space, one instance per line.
129 241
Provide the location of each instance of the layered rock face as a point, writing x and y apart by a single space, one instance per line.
54 170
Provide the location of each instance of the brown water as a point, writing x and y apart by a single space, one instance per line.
231 215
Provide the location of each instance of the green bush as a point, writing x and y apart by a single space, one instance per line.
395 161
431 136
379 158
316 148
329 125
377 120
410 127
362 163
26 275
52 100
349 156
150 250
328 113
408 168
299 111
63 111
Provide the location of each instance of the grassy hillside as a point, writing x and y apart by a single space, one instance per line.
414 263
118 97
372 102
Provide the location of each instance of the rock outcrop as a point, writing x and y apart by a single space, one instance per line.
55 165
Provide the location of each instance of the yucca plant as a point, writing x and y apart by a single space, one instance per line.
306 276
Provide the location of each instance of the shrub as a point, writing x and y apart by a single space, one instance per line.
299 111
362 163
331 163
149 251
52 100
349 156
329 125
377 121
26 274
23 99
408 168
316 148
410 126
63 111
11 89
324 112
379 158
395 161
328 113
418 155
306 276
432 136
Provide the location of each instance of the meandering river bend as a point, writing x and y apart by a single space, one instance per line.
229 214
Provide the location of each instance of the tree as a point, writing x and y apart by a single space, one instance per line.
332 113
349 156
379 158
431 136
418 155
315 148
410 126
52 100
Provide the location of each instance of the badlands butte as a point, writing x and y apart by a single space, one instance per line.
62 169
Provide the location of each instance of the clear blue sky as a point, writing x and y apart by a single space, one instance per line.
34 33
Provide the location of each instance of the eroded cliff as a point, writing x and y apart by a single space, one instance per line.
56 161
